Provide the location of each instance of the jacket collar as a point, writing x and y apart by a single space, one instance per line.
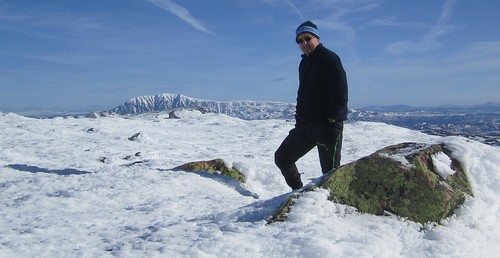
313 53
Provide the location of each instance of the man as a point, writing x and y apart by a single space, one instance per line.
321 108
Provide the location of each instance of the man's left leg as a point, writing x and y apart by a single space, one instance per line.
330 154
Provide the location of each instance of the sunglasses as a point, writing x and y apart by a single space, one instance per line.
305 39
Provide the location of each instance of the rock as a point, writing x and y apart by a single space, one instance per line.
172 115
134 137
216 166
141 137
404 179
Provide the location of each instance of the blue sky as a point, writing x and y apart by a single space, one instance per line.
95 54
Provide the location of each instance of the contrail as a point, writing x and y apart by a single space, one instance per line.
295 9
182 13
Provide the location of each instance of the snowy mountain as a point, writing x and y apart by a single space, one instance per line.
248 110
479 122
104 187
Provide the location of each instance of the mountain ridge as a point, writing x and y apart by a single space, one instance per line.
489 107
248 109
479 122
243 109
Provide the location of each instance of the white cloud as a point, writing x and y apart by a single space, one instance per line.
182 13
442 25
477 57
394 21
430 41
422 46
466 76
294 7
279 3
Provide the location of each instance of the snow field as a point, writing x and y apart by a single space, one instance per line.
80 188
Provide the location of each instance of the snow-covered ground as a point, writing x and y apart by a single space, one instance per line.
81 188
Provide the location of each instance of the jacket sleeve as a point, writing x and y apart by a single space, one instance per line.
337 89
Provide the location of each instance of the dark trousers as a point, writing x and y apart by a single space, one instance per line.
302 139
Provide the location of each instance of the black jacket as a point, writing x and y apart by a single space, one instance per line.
322 92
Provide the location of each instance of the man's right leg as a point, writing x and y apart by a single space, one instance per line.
295 146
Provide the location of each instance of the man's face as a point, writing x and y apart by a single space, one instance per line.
307 43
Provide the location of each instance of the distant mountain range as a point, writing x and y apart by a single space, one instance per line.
248 110
273 110
479 122
490 107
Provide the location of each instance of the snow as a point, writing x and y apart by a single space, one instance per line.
401 154
79 187
442 164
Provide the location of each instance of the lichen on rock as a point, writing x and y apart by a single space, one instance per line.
216 166
402 180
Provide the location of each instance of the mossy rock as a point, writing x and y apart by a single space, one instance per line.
399 179
283 211
216 166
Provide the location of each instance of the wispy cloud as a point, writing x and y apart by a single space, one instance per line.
280 3
442 25
295 9
477 57
393 21
334 16
430 41
411 79
182 13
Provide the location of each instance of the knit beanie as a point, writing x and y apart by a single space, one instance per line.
307 26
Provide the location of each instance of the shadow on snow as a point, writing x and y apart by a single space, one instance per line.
35 169
237 186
